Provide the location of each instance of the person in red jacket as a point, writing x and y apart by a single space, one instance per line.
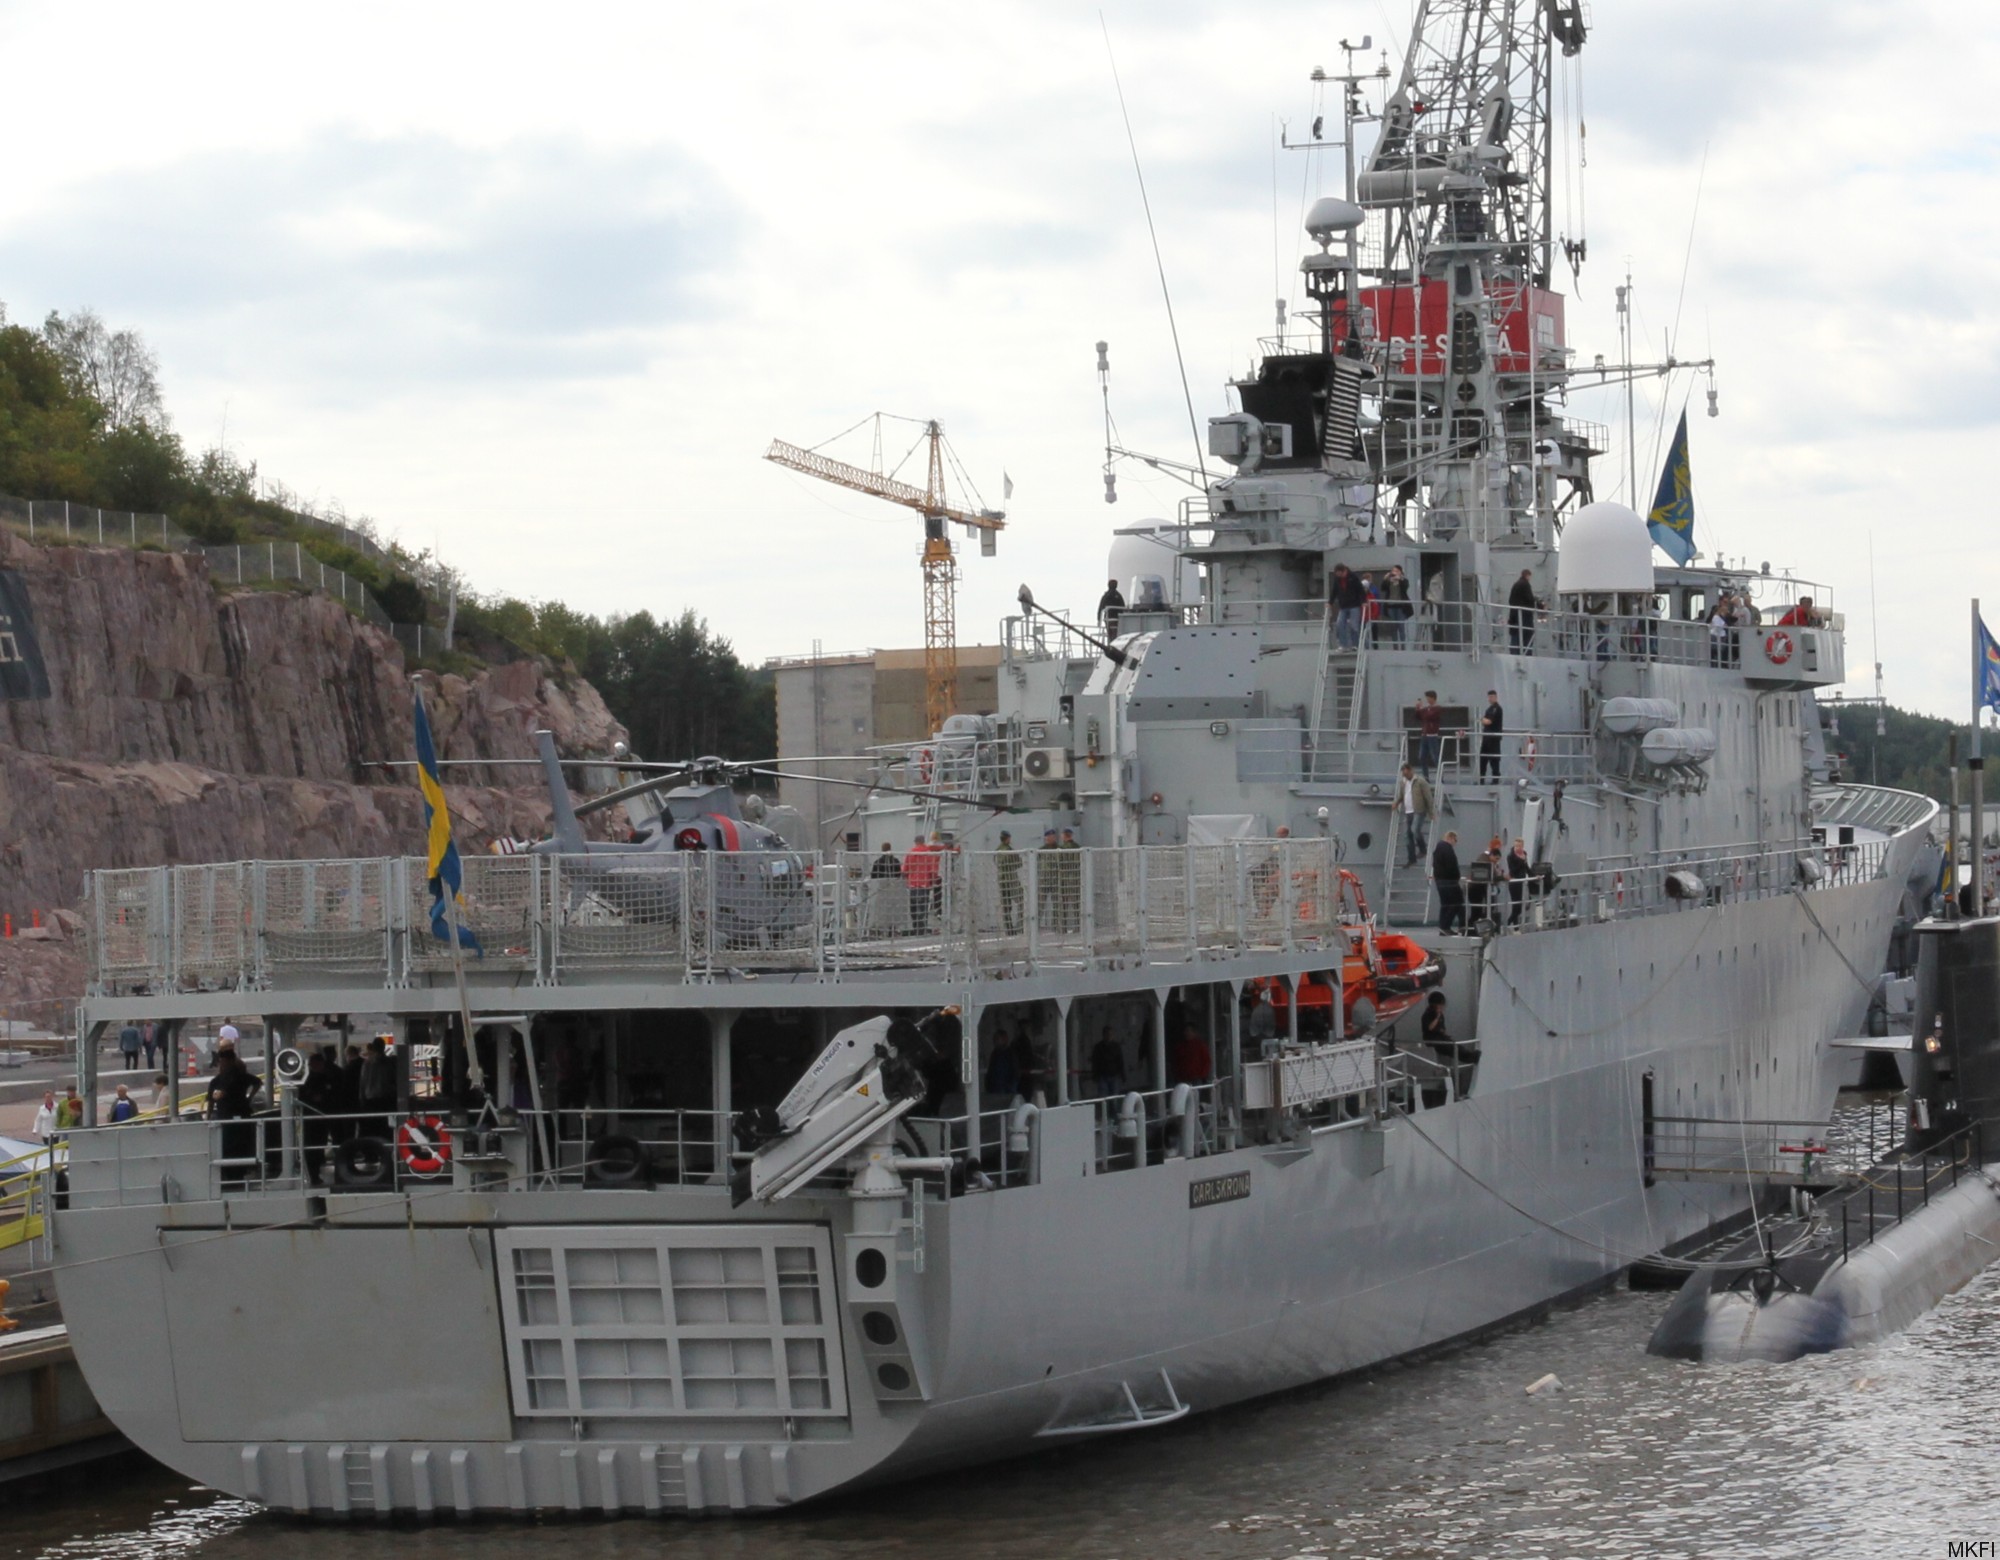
923 870
1193 1062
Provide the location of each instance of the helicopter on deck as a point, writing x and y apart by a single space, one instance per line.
692 848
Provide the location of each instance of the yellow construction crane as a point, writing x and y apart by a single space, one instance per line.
940 565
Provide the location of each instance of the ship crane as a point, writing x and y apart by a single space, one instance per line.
940 564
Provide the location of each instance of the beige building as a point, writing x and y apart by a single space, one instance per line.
833 708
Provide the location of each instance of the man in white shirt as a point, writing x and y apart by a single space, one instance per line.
1417 806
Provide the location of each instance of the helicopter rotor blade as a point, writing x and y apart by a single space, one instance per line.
638 788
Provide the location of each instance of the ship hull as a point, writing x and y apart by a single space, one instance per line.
350 1355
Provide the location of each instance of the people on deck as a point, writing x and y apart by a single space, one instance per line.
1447 875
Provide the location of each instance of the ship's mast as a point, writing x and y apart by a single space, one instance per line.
1458 248
1470 119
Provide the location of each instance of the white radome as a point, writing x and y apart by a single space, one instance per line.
1606 549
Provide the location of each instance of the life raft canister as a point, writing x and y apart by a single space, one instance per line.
423 1143
1778 646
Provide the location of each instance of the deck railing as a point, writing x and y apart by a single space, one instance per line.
695 916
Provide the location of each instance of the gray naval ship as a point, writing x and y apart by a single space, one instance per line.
793 1171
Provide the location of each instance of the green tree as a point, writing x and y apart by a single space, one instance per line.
1911 753
48 432
676 686
139 466
114 368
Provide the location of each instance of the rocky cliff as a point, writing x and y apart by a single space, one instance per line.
185 723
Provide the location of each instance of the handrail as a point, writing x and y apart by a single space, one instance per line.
691 915
25 1183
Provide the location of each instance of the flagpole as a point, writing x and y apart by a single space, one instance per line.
1951 857
1977 765
474 1076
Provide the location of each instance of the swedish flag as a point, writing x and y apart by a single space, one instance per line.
1988 669
1672 519
442 865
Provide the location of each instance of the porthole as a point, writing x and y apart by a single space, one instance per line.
870 1268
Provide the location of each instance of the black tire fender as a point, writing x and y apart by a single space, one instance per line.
365 1164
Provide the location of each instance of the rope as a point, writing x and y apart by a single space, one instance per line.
1623 1258
1861 980
1694 947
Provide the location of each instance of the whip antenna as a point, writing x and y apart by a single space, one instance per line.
1200 454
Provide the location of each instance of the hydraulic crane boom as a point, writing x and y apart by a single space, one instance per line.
940 564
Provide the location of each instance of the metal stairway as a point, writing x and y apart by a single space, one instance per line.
1406 890
1406 897
1334 710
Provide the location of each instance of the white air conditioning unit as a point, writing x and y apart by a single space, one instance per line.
1045 763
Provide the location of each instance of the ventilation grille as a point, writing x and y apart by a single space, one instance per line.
658 1324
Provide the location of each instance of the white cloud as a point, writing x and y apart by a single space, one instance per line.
539 290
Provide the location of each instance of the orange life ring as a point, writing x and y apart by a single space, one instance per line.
1618 886
1528 752
1778 646
924 760
423 1143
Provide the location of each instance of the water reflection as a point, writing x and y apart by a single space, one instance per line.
1876 1451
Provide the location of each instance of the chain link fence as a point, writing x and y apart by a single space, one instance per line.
257 562
46 520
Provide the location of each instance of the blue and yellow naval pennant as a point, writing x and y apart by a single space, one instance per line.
1987 669
441 854
1672 519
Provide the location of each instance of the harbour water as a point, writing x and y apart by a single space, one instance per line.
1880 1451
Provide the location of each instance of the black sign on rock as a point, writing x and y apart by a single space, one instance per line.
22 674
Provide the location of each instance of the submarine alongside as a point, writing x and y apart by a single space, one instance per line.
1871 1250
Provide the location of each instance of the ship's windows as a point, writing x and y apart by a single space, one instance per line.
879 1326
1361 842
870 1268
893 1376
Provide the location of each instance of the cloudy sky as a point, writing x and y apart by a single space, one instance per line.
537 287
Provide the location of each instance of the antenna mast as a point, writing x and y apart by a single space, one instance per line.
1459 242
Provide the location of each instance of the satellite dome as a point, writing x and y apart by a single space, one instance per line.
1330 215
1606 549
